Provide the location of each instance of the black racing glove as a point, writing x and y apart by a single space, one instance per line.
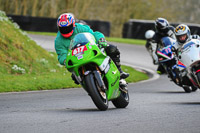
102 43
195 37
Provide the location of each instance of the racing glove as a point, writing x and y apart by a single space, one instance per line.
195 37
102 43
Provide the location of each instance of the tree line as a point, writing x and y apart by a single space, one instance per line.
117 12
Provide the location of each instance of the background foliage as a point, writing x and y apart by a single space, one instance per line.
115 11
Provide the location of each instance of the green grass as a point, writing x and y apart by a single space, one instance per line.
29 82
135 75
110 39
127 41
25 66
42 33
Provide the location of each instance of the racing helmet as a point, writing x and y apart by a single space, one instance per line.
182 33
66 24
161 25
149 34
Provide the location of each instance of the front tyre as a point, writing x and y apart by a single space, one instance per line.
123 100
98 96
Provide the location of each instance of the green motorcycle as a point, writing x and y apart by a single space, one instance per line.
96 72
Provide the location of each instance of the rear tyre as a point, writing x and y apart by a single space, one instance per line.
187 89
198 76
187 84
98 96
123 100
194 88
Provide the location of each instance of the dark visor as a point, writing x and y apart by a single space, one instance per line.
160 26
67 29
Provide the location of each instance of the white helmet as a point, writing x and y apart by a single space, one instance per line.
182 30
149 34
161 25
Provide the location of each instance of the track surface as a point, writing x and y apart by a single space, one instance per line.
156 105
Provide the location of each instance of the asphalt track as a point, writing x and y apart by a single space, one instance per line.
156 105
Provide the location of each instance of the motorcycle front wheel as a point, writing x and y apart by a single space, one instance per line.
98 96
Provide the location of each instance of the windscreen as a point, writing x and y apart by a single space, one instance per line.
166 41
82 39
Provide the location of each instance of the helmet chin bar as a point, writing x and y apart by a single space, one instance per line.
68 34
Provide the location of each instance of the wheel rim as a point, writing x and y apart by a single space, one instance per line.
102 93
124 92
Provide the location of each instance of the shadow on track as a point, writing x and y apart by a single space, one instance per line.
80 110
87 110
173 92
187 103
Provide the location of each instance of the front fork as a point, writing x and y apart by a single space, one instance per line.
97 76
99 80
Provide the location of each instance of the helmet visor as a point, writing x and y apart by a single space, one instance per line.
66 29
182 38
160 26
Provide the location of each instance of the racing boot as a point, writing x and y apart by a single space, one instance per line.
123 75
160 69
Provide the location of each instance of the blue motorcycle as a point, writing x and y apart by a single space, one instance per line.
167 58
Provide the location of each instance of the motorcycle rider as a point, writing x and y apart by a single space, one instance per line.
183 35
67 29
150 45
163 29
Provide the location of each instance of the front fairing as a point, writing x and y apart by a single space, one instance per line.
165 54
190 53
82 55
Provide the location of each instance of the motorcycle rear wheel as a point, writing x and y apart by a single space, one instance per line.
194 88
123 100
98 96
198 76
187 89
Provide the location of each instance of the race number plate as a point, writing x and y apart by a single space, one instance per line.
78 50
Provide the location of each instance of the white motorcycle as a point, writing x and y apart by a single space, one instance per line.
189 64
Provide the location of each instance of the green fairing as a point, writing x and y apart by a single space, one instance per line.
74 62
